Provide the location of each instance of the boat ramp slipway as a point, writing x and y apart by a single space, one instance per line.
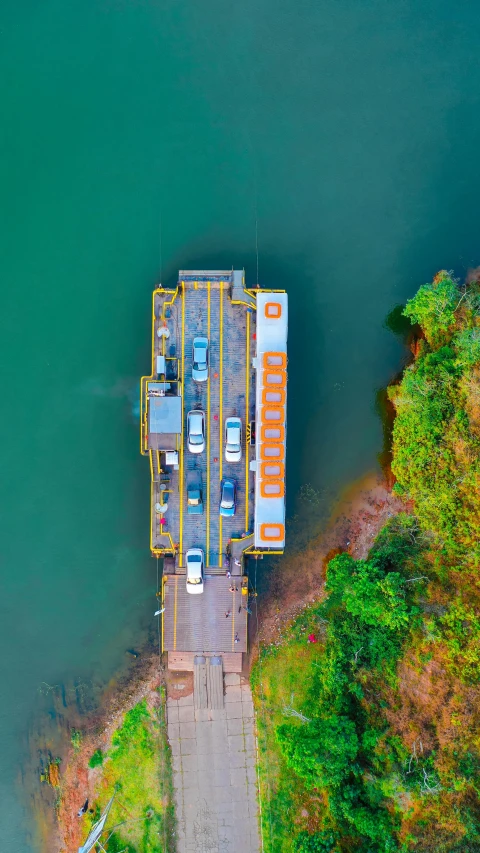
213 425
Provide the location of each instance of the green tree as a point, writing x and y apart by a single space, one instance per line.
375 599
321 752
433 308
461 630
319 842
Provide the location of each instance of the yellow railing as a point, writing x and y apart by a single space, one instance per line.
246 304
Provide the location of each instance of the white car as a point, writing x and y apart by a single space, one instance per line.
196 431
200 359
195 564
233 439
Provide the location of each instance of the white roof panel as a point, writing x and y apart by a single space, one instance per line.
272 331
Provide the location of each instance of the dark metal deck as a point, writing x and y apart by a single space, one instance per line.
205 305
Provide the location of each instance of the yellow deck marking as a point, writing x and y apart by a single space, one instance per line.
180 550
233 615
208 433
247 392
175 614
220 424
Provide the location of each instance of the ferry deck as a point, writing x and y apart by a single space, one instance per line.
246 330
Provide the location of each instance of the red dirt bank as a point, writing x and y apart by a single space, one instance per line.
358 517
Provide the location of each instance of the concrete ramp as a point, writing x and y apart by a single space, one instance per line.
215 683
214 772
207 682
200 697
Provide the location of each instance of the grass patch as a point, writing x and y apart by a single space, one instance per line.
138 768
96 759
281 680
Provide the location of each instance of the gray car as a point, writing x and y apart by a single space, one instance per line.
233 439
196 431
200 359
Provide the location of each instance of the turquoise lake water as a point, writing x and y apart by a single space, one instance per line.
139 137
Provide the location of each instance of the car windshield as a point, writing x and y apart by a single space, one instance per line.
194 580
194 558
227 495
195 438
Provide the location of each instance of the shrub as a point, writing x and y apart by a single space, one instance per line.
96 759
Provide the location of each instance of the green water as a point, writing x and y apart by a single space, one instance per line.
137 137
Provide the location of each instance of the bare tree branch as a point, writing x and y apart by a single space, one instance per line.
291 712
355 660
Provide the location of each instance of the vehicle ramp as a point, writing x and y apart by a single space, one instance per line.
208 682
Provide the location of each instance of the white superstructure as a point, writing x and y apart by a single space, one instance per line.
270 420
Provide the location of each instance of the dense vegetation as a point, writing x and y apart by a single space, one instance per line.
137 769
375 742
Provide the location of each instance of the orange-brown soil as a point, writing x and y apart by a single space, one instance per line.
77 780
358 517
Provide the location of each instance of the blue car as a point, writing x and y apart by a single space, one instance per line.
228 497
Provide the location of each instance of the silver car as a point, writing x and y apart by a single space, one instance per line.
200 359
233 439
196 431
195 564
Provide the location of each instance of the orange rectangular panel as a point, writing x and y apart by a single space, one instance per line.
273 415
272 488
272 469
278 360
272 452
272 532
273 310
272 432
273 395
274 378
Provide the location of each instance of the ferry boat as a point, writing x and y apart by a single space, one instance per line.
213 425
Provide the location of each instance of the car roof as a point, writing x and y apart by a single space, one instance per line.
195 418
233 430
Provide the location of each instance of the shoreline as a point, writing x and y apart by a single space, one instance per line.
59 827
358 515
